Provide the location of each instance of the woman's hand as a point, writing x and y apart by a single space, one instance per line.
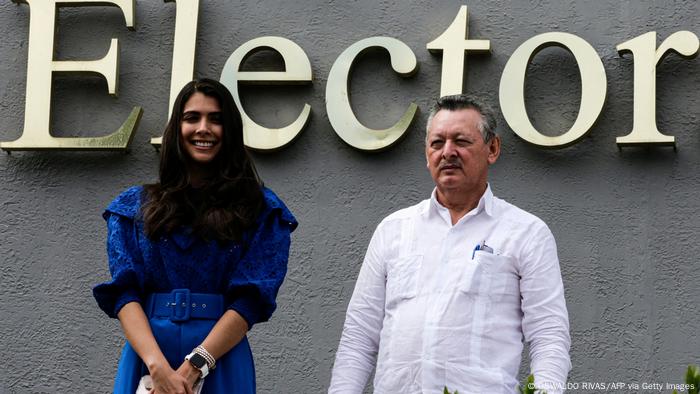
138 333
167 381
189 372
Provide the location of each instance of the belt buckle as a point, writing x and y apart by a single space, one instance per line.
180 305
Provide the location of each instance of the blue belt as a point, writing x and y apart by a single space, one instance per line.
182 305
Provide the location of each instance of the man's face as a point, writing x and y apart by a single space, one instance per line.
458 158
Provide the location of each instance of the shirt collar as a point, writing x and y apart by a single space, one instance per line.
485 205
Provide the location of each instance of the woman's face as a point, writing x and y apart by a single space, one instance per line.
201 128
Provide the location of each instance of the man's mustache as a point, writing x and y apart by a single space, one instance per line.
447 164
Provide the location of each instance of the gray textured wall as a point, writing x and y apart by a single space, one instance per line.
625 221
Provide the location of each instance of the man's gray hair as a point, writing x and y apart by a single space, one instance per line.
455 102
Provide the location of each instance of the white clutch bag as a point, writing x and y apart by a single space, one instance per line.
146 385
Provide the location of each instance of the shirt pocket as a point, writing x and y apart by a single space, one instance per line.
493 276
402 279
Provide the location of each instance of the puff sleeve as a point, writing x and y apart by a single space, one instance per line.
254 282
124 256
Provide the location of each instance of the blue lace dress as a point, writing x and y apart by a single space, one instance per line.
248 275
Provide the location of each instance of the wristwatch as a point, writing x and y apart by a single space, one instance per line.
198 361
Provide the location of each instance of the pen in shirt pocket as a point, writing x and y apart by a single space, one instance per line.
482 247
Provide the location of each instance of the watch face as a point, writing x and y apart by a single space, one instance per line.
198 361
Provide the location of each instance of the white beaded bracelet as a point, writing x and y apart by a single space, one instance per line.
211 362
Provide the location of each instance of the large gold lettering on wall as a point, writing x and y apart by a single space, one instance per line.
646 57
184 49
593 89
40 67
454 45
297 71
340 114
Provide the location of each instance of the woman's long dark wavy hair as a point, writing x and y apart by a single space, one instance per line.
231 198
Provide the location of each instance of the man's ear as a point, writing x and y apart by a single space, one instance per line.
494 149
427 161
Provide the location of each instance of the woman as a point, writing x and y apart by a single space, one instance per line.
197 258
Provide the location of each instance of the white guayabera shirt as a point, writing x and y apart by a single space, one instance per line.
435 312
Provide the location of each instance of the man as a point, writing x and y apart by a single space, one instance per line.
449 287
